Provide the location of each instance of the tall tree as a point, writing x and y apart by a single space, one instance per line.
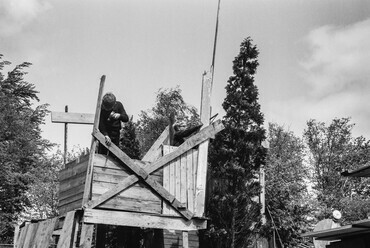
286 185
333 150
236 156
152 123
21 145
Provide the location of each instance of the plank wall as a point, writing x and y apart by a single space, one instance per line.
137 198
179 178
71 184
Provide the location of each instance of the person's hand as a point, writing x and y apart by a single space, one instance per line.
108 141
114 115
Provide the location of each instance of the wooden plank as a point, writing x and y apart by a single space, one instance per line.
178 178
71 192
67 234
185 239
78 169
70 206
86 238
190 180
75 118
76 197
23 235
132 204
205 114
72 183
141 220
135 192
166 180
44 232
94 143
183 181
155 150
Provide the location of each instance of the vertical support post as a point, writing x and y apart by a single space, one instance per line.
65 138
88 229
205 114
262 194
185 239
94 142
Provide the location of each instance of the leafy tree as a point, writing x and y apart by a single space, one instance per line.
21 145
128 141
152 123
236 156
286 190
333 150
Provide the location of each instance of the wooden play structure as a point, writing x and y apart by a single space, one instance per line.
164 190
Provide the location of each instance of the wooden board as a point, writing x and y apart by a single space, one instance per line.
205 114
44 233
75 118
139 198
180 179
67 234
141 220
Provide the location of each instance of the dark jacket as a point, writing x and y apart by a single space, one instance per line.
109 126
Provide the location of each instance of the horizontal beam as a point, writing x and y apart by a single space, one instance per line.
120 218
75 118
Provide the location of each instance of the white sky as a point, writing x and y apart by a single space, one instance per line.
313 54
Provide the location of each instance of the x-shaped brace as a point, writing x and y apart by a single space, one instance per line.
142 170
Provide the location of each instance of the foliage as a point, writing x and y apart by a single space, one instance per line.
152 122
128 141
21 145
236 156
43 191
286 190
334 150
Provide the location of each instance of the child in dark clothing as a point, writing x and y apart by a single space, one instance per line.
111 115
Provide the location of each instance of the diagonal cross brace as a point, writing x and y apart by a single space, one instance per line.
144 175
204 134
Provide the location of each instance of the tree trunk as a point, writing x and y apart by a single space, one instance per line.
233 228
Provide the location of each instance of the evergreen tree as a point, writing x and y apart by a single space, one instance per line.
128 141
236 156
21 145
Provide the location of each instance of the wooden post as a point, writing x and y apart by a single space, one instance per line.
185 239
65 138
205 114
87 191
87 229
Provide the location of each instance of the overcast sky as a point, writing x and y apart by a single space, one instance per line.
314 55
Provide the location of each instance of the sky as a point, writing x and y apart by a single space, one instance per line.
313 55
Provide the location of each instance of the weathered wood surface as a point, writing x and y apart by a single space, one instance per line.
72 184
74 118
204 134
179 179
143 174
144 220
68 231
205 114
94 143
107 174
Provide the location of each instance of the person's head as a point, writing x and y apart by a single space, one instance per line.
108 101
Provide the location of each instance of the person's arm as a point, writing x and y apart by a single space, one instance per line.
122 113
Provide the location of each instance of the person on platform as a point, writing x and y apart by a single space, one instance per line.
111 115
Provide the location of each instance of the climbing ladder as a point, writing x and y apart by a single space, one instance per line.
164 190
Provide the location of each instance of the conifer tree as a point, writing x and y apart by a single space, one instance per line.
236 156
